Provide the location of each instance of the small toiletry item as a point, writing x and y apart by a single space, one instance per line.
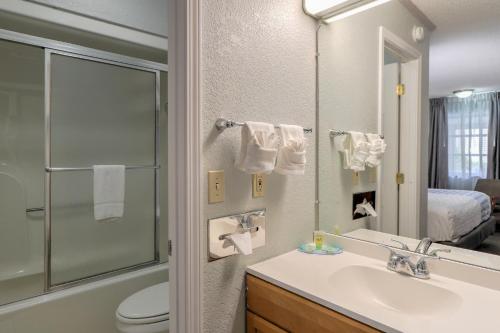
325 250
318 239
336 230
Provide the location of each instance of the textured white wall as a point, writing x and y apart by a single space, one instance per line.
349 99
257 64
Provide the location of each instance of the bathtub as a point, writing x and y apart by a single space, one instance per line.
81 309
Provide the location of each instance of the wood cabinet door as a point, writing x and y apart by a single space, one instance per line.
256 324
296 314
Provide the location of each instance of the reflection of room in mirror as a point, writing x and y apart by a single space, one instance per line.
436 101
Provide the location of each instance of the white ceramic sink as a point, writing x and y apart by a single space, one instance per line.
393 292
362 288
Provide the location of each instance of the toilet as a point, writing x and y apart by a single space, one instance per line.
146 311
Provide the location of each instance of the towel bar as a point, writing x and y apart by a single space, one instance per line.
222 123
335 133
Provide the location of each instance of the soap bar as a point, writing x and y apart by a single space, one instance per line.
325 250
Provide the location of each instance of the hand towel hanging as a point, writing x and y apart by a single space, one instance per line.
109 191
292 152
258 148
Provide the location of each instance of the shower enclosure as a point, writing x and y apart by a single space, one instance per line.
63 109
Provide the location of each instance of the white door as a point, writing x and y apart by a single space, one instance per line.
389 198
408 164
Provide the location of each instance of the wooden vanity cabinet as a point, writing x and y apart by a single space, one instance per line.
271 309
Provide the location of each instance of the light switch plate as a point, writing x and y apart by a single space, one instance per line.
355 178
215 186
258 185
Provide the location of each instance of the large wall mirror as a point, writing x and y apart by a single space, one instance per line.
408 140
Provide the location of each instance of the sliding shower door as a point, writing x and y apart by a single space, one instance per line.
99 113
21 171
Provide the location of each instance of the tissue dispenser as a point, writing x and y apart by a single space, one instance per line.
219 228
361 199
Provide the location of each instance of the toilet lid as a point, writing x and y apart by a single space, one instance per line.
151 302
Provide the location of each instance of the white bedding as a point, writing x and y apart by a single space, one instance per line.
454 213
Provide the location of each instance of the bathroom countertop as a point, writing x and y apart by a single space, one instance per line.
310 276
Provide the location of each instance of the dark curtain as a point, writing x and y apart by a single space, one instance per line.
438 144
494 138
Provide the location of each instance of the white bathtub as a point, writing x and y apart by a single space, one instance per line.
89 308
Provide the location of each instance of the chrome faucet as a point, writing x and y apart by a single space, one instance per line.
424 245
403 264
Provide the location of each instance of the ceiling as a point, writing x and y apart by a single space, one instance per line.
465 47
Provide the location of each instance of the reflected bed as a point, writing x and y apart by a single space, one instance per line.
459 218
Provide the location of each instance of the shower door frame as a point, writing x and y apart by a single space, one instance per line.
66 49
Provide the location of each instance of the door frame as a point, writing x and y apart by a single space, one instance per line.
409 216
184 174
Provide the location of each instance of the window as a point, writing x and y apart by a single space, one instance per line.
467 140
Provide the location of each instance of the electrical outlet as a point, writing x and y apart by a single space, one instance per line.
258 185
215 186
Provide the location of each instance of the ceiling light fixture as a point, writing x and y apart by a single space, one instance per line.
463 93
334 10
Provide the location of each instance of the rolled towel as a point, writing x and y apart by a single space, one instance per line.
376 150
259 147
292 152
109 191
355 150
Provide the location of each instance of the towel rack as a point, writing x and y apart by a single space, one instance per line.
335 133
91 168
222 123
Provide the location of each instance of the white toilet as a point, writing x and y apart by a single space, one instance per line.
146 311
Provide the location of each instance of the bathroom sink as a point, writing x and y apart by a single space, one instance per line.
372 287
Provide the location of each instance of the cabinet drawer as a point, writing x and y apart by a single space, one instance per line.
296 314
256 324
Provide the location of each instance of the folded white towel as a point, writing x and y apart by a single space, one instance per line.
377 149
355 150
292 152
109 191
242 242
259 147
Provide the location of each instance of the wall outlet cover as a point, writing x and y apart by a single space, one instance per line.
258 185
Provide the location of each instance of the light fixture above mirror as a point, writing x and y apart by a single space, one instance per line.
334 10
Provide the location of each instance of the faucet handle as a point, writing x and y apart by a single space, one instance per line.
424 245
434 253
403 245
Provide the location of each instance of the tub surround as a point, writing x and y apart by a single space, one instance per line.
467 299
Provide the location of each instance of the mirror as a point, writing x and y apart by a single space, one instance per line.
406 150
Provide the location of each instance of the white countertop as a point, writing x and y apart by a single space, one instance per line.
310 276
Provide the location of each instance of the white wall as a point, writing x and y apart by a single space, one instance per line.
257 64
349 100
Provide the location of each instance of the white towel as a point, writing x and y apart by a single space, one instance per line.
355 149
377 149
109 191
259 147
242 242
292 152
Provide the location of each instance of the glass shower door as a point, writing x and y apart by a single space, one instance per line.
21 171
100 113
